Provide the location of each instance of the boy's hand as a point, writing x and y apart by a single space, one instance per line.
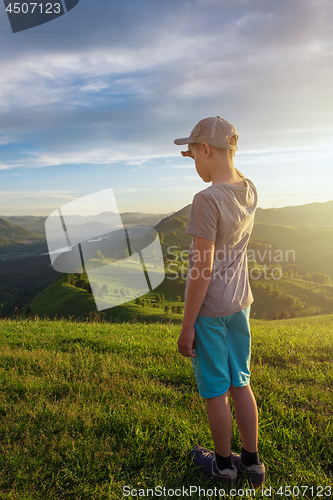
186 341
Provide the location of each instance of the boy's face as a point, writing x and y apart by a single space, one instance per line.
197 152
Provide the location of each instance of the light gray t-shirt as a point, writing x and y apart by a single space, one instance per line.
225 214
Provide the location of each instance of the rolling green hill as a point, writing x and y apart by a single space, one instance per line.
312 215
28 222
11 235
63 300
286 297
302 256
312 247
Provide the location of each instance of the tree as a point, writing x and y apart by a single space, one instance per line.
321 278
179 310
99 256
167 309
178 298
28 312
81 283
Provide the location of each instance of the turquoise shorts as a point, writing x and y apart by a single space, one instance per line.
223 352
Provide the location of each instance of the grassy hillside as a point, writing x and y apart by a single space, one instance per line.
310 215
313 247
288 296
305 251
28 222
172 230
63 300
88 408
12 235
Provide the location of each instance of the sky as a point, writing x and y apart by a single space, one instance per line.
94 99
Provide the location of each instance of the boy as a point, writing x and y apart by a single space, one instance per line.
215 331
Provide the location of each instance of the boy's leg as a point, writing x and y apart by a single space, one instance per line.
246 416
220 423
247 421
219 464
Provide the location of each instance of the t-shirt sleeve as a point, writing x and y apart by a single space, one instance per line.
203 218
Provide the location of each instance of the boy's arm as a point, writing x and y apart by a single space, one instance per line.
196 291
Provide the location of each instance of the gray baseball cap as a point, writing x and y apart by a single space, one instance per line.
215 131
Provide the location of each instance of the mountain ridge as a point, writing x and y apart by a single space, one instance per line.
10 234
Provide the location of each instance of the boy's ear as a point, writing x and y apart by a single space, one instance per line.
206 149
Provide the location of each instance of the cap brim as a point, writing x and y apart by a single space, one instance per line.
185 140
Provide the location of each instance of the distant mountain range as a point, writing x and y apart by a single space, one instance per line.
37 224
318 215
312 215
307 229
304 233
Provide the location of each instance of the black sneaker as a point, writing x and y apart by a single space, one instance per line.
205 459
254 473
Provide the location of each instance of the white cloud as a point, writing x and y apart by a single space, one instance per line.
6 139
124 83
9 166
35 195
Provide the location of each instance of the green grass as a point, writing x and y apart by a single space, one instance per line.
312 246
62 300
314 296
87 408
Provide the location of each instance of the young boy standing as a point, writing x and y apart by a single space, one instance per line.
215 331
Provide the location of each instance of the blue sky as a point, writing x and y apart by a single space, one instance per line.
94 99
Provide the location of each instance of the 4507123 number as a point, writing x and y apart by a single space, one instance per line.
314 491
30 8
